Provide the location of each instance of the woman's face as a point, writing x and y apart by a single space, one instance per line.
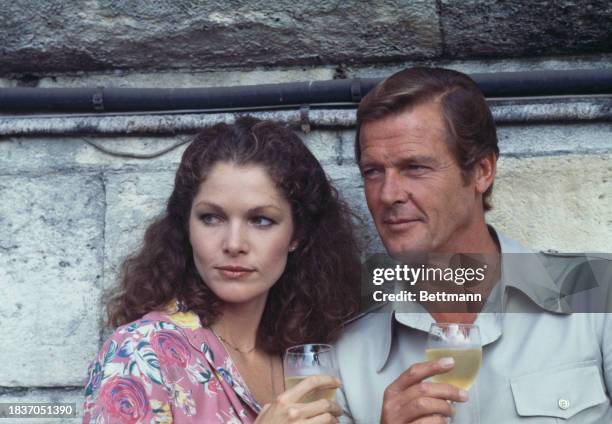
241 230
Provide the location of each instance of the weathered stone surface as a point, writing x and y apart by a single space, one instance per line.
58 154
109 34
555 202
186 79
49 396
347 180
538 63
133 201
327 146
50 276
537 140
482 28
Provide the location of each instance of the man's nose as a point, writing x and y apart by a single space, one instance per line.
235 241
394 189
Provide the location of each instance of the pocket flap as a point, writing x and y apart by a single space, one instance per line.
558 393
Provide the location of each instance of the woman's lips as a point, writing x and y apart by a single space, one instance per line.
234 272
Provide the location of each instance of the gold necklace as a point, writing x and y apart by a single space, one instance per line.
225 342
271 360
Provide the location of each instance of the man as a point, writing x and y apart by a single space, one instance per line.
427 149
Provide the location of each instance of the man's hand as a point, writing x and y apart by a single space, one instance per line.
411 400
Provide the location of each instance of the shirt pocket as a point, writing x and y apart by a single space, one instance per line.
559 393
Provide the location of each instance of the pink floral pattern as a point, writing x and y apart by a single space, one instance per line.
166 368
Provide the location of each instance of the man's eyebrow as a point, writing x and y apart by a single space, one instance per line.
418 159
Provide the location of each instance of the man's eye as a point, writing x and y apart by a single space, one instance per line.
370 172
262 221
210 219
415 167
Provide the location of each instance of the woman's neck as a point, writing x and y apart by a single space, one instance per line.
238 323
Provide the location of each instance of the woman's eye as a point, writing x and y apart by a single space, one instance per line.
210 219
262 221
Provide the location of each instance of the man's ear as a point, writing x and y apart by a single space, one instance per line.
484 172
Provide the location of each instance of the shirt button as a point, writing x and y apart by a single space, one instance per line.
564 404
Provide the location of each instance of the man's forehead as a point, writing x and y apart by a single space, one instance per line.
391 142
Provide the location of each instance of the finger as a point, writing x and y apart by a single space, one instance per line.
424 407
316 382
312 409
322 419
419 372
434 390
433 419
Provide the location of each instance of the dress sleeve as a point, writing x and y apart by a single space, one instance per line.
125 384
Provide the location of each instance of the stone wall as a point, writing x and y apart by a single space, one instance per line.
51 36
69 213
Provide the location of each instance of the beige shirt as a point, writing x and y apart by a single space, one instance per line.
541 363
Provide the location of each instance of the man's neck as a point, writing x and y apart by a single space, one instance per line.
483 243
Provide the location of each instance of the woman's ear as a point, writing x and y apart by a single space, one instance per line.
293 245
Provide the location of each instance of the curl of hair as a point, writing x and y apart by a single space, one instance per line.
319 288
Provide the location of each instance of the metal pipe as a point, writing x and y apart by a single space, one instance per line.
505 112
285 95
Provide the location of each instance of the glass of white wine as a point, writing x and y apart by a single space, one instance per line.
462 343
303 361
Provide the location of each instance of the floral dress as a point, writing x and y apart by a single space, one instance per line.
166 368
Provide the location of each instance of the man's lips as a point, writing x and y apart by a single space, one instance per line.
234 271
400 223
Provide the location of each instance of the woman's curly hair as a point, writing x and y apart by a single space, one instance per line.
319 288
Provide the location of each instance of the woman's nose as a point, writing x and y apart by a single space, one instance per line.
235 240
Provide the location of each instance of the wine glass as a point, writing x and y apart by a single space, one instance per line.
303 361
462 343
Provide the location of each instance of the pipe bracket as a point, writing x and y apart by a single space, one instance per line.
97 100
304 118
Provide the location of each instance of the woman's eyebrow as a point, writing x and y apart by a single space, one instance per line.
262 208
207 204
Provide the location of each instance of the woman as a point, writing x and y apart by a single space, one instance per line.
254 253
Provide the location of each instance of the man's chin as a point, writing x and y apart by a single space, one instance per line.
408 253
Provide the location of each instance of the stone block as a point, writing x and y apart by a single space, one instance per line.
537 140
185 79
109 34
133 200
51 240
325 145
60 154
555 202
347 180
481 28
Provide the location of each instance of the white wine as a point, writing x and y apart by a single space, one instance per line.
467 364
312 396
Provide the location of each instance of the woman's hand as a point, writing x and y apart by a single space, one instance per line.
288 409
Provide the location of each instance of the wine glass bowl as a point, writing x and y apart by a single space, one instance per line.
303 361
462 343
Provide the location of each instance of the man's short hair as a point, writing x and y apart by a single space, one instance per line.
469 122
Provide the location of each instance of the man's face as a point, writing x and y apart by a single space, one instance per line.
413 185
